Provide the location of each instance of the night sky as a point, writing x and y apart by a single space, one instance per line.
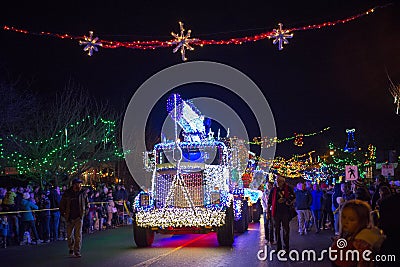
335 76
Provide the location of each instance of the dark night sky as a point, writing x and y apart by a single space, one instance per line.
333 77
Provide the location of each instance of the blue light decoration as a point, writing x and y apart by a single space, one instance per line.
144 202
238 192
320 174
351 143
188 116
253 194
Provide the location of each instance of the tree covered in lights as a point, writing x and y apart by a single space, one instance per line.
338 158
63 138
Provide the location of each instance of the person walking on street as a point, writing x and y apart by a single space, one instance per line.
268 223
316 207
74 206
302 204
280 202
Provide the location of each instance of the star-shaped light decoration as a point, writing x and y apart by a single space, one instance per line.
182 41
281 36
395 91
90 43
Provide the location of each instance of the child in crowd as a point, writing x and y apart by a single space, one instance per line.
356 233
340 201
3 230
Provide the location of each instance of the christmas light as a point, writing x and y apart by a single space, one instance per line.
266 142
253 194
280 36
54 151
187 115
181 217
151 213
90 43
395 92
351 143
183 42
298 140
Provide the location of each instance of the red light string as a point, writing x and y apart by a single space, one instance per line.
154 44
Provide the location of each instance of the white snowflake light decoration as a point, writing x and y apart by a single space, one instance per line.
395 91
182 41
90 43
281 36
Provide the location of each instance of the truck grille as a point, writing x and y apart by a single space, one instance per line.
188 189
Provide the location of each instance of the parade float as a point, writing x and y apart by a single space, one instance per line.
196 183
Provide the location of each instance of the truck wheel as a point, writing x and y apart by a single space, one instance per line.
242 223
225 233
143 237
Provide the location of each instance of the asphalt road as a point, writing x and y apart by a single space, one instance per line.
115 247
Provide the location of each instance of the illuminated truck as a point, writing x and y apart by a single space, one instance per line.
193 189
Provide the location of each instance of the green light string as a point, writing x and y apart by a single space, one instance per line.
60 153
268 142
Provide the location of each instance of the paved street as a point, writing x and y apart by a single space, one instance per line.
117 248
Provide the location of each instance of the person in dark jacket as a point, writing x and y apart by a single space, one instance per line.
379 181
120 196
74 206
337 192
302 204
280 201
44 216
316 207
55 199
390 226
327 213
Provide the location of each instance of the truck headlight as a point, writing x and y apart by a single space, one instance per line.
215 198
144 200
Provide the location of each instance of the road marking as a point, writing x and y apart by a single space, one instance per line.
157 258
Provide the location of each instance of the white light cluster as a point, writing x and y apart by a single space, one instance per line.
187 166
175 193
238 209
216 176
181 217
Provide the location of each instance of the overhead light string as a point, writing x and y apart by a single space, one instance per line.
183 42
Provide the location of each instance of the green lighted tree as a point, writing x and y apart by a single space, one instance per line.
339 158
64 138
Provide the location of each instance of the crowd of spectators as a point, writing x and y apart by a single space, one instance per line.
320 206
381 198
30 214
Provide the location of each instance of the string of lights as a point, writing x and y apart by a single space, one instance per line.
66 145
182 41
266 142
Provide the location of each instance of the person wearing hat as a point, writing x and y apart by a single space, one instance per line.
74 206
360 191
